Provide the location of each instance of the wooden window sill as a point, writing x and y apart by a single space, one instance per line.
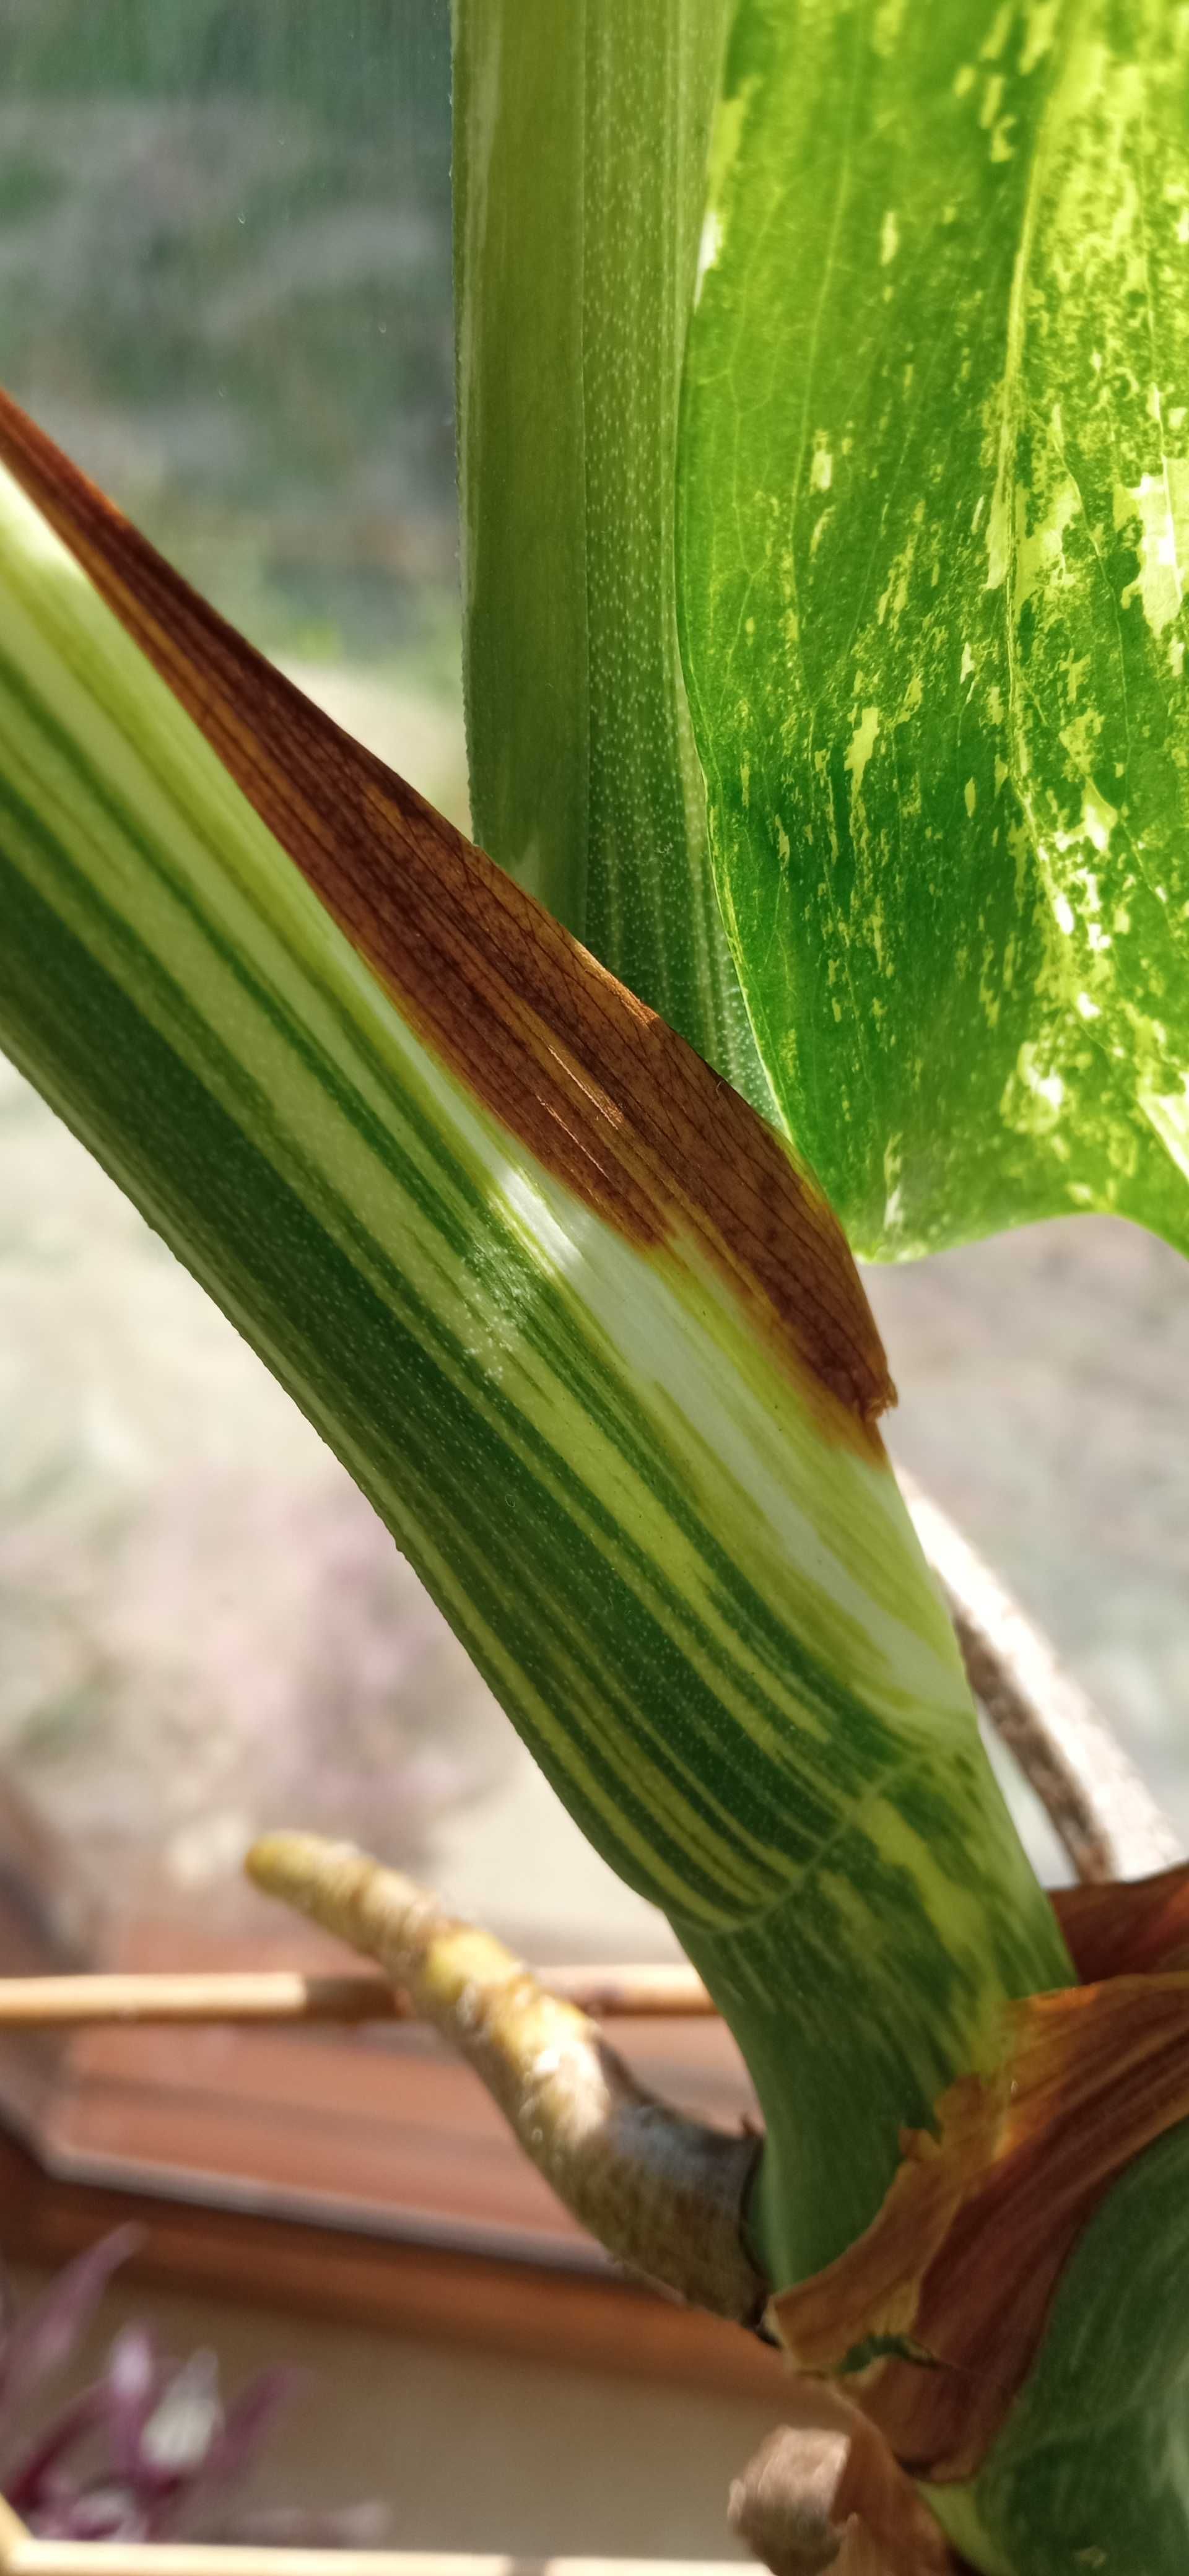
355 2173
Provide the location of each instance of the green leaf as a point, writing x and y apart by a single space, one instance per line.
1090 2471
579 164
934 518
568 1310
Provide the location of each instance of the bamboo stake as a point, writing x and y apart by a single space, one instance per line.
30 2557
282 1995
13 2535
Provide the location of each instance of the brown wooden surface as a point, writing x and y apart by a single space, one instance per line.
490 2304
360 2174
376 2124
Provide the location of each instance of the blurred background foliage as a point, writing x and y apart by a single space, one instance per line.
225 285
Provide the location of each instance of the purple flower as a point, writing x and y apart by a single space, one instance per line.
148 2450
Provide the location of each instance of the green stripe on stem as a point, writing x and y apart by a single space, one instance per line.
697 1594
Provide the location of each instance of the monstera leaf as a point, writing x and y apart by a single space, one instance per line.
934 515
929 604
581 1323
573 1316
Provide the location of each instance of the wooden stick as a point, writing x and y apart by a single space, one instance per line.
29 2557
282 1995
13 2535
1099 1807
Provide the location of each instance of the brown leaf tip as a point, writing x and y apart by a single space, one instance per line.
604 1095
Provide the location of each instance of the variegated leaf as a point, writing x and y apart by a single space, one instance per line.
934 520
572 1315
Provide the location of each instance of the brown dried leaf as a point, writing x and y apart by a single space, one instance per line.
966 2253
605 1096
824 2491
1126 1928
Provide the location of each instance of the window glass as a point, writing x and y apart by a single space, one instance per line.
1043 1399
